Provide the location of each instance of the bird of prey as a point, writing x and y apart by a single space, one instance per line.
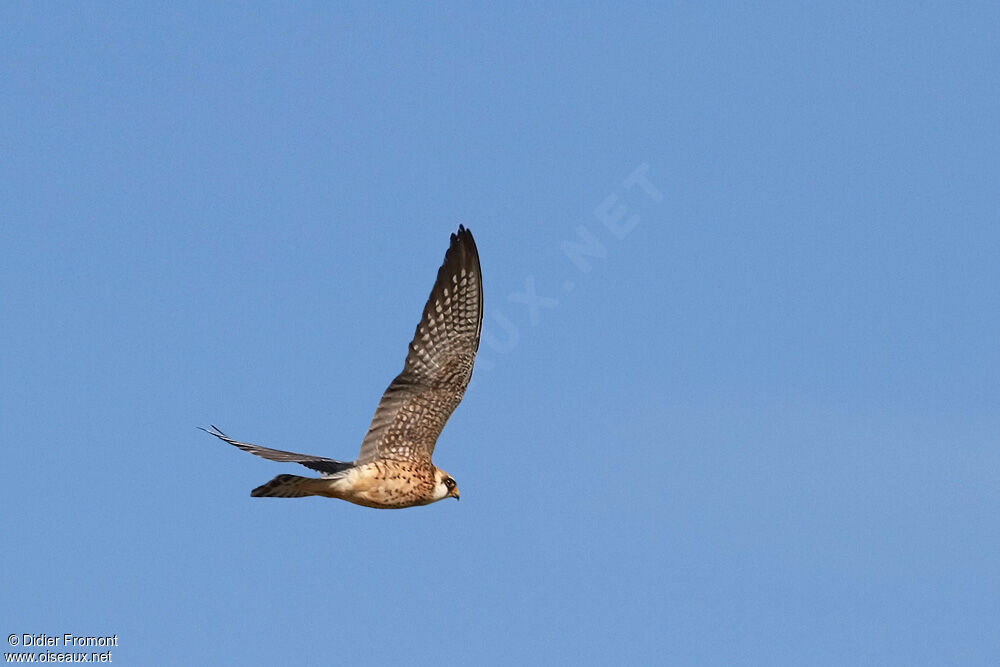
394 469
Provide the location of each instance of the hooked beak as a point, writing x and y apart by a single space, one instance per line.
454 494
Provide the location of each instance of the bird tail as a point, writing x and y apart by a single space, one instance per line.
287 486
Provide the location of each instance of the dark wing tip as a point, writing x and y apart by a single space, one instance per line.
463 253
464 244
463 236
217 432
214 430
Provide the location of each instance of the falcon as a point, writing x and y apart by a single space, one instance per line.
394 468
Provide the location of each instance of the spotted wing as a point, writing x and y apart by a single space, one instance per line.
415 407
320 463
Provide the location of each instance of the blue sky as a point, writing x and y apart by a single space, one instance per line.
755 423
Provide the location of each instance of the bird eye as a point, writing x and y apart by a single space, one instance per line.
449 482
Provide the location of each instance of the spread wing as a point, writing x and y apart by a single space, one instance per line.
320 463
415 407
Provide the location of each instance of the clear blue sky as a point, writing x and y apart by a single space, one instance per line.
757 425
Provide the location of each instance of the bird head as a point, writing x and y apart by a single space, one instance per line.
444 485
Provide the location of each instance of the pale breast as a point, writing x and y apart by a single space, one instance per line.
386 484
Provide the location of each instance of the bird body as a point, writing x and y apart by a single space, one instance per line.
394 468
381 484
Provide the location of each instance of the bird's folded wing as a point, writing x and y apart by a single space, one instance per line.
319 463
415 407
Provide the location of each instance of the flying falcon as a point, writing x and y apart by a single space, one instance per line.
394 469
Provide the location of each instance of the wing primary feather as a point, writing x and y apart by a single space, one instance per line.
317 463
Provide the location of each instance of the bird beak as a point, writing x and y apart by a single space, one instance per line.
455 494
